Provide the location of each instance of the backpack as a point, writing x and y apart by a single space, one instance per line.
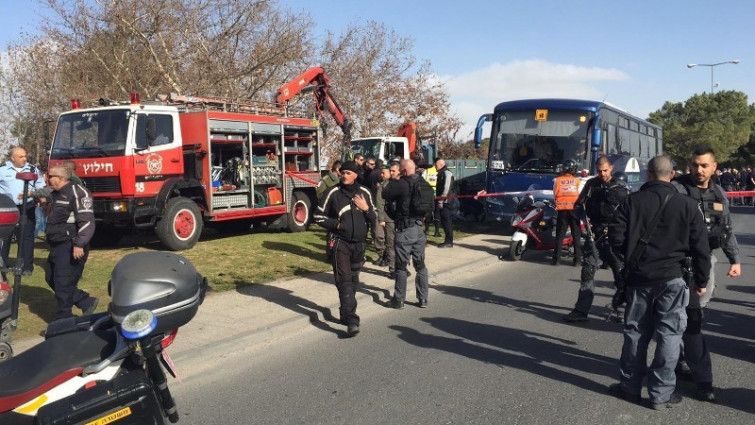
422 200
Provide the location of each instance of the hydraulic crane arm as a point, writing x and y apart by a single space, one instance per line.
316 80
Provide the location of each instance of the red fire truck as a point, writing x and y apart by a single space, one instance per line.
174 164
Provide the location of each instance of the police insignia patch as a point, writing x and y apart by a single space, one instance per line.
86 202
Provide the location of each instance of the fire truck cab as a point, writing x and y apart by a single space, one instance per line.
174 164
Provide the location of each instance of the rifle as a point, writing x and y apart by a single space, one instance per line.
590 236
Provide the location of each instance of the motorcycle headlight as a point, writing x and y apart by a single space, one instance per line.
516 220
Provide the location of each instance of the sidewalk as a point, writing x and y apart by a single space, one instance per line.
233 320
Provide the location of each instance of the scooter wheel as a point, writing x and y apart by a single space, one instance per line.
516 250
6 351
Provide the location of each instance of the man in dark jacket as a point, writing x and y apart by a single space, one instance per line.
599 199
710 197
345 211
410 238
445 189
70 227
656 293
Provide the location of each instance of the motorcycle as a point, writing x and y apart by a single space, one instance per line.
534 225
108 367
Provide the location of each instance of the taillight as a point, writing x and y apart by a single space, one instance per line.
5 292
169 338
8 216
75 104
135 98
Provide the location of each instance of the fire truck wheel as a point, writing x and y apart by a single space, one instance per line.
300 213
181 225
6 351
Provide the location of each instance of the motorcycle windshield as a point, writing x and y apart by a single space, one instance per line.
91 134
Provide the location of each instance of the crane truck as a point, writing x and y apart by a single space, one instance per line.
407 144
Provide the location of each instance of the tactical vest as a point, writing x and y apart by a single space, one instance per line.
711 203
604 199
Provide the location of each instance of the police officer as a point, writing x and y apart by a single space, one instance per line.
13 187
599 198
445 207
385 226
410 237
331 179
715 207
431 176
656 293
70 227
345 211
565 193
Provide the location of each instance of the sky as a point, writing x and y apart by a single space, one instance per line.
632 54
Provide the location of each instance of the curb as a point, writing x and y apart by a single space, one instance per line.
253 337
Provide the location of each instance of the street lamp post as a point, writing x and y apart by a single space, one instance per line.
712 65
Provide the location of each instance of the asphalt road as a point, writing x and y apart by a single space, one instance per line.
491 349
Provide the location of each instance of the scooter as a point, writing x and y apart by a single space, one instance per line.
108 367
534 225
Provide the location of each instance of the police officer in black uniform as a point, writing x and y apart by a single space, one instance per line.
600 197
410 238
70 227
346 210
715 207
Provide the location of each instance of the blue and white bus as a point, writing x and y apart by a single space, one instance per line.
531 139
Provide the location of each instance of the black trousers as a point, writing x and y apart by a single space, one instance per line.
446 213
568 218
348 258
62 275
29 217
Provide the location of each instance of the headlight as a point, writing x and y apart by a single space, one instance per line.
119 207
516 220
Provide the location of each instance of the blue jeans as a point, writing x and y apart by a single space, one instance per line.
39 213
657 312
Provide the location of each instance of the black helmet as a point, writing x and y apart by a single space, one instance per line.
570 166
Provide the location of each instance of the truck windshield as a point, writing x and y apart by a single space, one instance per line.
522 143
91 134
366 147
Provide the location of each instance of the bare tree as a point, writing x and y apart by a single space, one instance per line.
379 84
237 49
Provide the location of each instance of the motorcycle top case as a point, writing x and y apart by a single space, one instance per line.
128 399
167 284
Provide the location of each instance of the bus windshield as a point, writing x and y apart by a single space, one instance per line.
520 142
91 134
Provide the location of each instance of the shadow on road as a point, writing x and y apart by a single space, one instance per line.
541 354
551 313
299 305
